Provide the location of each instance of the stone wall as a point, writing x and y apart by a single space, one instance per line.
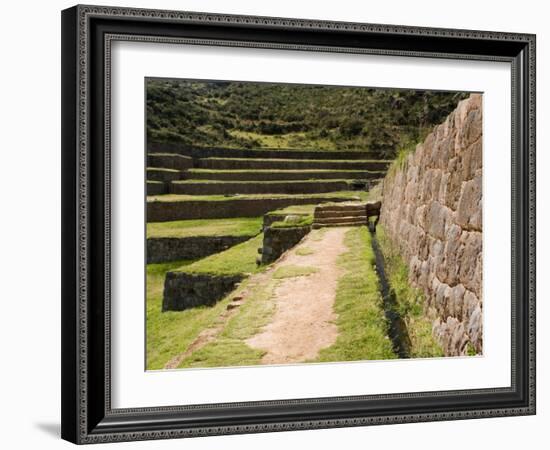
162 211
431 211
268 187
166 249
156 188
187 290
279 240
219 152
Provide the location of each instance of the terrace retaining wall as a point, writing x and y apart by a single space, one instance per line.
167 161
432 212
270 175
279 240
166 249
187 290
156 188
208 152
270 187
289 164
163 211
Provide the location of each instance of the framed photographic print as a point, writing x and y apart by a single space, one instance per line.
281 224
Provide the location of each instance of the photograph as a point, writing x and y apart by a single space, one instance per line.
283 222
304 223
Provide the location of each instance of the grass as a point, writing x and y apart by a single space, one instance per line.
293 271
160 169
304 171
410 301
259 181
169 154
230 348
351 195
240 226
293 221
285 141
343 161
294 209
170 333
361 321
305 251
239 259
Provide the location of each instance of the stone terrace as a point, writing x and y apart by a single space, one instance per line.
251 181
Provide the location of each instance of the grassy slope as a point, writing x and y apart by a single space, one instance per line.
361 321
410 301
252 115
240 226
171 332
240 259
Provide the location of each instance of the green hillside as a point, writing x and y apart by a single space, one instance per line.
265 115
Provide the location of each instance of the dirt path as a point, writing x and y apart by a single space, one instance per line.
303 322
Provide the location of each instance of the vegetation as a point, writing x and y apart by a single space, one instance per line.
341 161
239 259
304 251
410 301
229 348
293 271
352 195
359 172
248 114
240 226
161 169
361 322
169 333
266 183
294 221
294 209
402 156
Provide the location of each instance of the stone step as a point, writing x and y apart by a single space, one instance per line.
340 213
204 187
354 223
281 175
340 219
290 164
338 207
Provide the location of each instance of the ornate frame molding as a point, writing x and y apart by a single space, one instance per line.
80 418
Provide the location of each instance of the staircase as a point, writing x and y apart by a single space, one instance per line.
344 215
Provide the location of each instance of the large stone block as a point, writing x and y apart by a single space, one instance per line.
469 206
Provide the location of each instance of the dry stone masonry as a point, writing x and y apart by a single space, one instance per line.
432 212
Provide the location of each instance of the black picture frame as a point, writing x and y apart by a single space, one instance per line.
87 32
